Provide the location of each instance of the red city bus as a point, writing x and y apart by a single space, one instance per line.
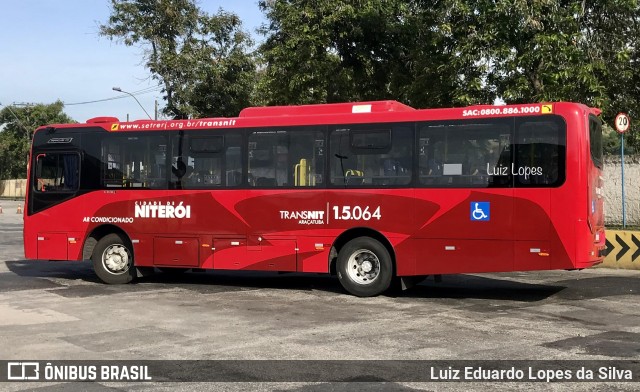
373 192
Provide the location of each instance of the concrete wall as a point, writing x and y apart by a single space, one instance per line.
14 189
613 190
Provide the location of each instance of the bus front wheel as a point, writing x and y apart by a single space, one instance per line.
364 267
113 260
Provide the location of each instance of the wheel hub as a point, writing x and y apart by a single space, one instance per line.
116 259
363 267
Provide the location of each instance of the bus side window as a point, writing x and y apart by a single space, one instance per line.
266 182
371 155
354 177
286 158
435 161
465 154
539 153
234 178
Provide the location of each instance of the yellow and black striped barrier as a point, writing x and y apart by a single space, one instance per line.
622 250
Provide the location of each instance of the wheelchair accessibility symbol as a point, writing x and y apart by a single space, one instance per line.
480 210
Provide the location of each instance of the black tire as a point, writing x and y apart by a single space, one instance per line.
113 260
364 267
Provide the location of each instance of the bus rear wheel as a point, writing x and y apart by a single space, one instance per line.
364 267
113 260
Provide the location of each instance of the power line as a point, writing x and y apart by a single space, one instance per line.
95 101
139 92
147 89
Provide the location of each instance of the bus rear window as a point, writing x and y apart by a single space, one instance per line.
595 140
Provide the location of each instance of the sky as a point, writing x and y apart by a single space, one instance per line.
51 50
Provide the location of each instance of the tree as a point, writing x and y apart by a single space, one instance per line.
453 52
537 51
17 125
553 50
329 50
202 61
614 30
435 70
339 50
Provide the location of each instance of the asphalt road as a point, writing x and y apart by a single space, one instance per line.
60 311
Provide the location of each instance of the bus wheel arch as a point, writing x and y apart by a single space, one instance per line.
364 261
111 252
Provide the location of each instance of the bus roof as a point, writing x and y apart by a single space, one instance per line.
327 108
334 113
